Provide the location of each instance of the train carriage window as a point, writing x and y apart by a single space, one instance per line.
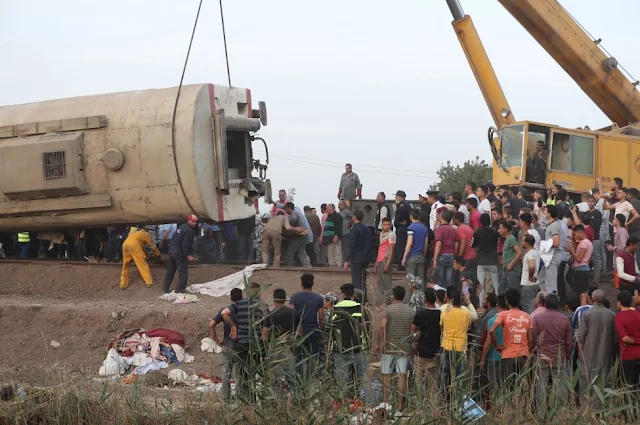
54 165
572 153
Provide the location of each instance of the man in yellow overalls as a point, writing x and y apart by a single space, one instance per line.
133 249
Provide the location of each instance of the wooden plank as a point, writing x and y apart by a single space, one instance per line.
98 200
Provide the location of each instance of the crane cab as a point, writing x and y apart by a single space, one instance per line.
536 155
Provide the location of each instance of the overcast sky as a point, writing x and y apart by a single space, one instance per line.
385 87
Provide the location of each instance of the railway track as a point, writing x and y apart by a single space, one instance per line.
238 264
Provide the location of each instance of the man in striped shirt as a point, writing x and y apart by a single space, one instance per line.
246 330
332 235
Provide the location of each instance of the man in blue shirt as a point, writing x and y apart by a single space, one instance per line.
359 253
416 249
311 308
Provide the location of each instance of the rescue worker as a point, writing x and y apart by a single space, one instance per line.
180 249
24 241
133 249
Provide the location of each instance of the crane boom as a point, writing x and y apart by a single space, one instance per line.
481 66
580 56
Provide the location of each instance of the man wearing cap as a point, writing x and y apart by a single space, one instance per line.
401 223
432 197
425 206
180 249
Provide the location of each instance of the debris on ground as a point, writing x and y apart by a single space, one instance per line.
210 346
202 382
223 286
55 344
179 298
144 351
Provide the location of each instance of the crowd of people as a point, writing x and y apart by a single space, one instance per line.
499 291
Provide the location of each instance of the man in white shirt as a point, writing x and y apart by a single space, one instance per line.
457 197
529 281
470 190
623 207
485 205
435 204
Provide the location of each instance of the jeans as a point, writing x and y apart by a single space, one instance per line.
344 362
313 252
557 375
453 362
528 295
297 249
415 265
247 358
25 247
359 277
227 371
510 280
445 269
483 273
307 353
176 262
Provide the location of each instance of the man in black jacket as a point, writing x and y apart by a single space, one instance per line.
359 253
349 332
180 249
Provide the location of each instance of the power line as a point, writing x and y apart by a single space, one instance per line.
371 168
360 169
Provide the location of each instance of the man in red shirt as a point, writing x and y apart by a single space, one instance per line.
474 214
517 336
465 236
446 246
628 328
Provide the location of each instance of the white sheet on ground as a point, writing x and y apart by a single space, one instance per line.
113 365
223 286
182 355
150 367
210 346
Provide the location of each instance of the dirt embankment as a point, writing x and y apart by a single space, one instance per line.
75 305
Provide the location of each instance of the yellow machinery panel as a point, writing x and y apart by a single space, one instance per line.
634 166
613 159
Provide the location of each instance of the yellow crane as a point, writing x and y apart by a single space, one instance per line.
534 154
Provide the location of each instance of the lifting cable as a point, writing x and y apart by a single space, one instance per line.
175 110
224 38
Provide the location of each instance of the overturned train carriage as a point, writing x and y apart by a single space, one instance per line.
108 159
